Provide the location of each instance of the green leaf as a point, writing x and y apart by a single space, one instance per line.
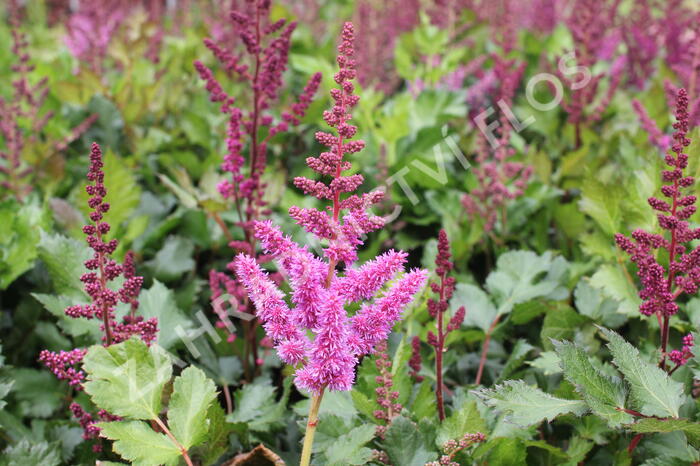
19 235
362 403
651 425
653 391
506 452
64 259
424 404
173 260
602 203
192 395
31 453
516 358
614 282
523 275
127 379
406 444
255 405
547 362
465 421
159 301
135 441
605 396
591 303
349 449
38 392
526 405
481 309
560 323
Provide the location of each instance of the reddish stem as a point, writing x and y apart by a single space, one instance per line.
439 349
485 349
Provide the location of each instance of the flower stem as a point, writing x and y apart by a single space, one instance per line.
170 435
310 429
485 349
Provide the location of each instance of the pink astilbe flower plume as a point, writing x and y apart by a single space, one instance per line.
101 270
316 333
662 286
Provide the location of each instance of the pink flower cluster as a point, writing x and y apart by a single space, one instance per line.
452 447
386 396
660 289
499 178
680 357
267 44
319 293
87 421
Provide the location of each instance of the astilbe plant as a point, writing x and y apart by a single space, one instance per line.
386 395
500 179
319 292
25 106
102 269
591 23
443 287
266 44
662 286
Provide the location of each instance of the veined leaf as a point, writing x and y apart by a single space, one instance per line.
526 405
650 425
192 395
603 394
653 391
137 442
349 449
127 379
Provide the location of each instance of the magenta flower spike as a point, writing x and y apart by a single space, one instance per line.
315 333
662 286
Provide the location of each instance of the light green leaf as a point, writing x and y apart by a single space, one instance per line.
19 235
465 421
591 303
516 358
612 280
159 301
653 391
349 449
173 260
651 425
26 453
602 203
135 441
560 323
523 275
256 406
605 396
192 395
64 259
481 311
127 379
526 405
547 362
406 444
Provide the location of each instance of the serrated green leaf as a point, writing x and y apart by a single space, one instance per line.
591 303
465 421
547 362
650 425
26 453
256 406
506 452
406 444
19 235
38 392
521 276
515 360
127 379
653 391
192 395
424 403
159 301
64 259
135 441
602 203
481 310
615 284
349 449
605 396
362 403
173 260
560 323
526 405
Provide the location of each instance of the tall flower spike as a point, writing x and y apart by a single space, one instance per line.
444 288
662 286
317 334
260 64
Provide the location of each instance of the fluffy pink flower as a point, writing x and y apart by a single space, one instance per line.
319 293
